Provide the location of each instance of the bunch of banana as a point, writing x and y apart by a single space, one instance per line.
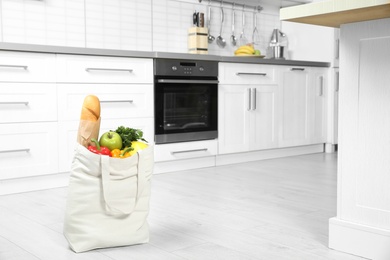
244 50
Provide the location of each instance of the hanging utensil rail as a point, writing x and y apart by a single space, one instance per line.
258 7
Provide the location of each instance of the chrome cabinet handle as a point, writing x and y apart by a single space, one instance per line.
297 69
337 87
189 151
254 99
14 66
106 69
251 73
249 99
16 150
15 103
117 101
321 86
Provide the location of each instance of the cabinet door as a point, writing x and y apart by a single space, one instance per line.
233 118
317 105
117 100
28 149
263 126
295 106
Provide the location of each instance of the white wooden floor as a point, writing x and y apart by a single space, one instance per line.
271 209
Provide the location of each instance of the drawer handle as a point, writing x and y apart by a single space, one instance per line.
15 103
116 101
299 69
16 151
252 74
189 151
14 66
105 69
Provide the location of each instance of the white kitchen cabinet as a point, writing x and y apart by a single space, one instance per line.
101 69
247 112
28 115
26 67
49 22
303 102
28 149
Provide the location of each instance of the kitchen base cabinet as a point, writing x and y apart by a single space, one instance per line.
28 149
247 118
247 107
303 101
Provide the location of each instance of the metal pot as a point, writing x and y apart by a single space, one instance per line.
277 52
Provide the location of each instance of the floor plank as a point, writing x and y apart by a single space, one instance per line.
271 209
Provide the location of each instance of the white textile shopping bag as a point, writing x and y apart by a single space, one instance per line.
108 200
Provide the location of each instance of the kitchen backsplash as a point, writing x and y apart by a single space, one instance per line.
144 25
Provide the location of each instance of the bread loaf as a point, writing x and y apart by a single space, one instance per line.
91 108
89 120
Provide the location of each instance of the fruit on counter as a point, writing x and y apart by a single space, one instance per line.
245 49
129 135
98 149
111 139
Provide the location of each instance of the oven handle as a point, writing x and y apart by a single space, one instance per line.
186 81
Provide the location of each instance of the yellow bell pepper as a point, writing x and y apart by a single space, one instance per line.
116 153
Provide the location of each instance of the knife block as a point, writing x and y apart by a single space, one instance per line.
197 40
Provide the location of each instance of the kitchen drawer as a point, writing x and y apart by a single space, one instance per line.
68 134
239 73
117 100
28 102
28 149
27 67
185 150
100 69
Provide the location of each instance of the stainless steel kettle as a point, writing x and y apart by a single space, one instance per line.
275 37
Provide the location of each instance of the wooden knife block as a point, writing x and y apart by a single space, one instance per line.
197 40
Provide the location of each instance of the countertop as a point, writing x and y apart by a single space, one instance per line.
5 46
334 13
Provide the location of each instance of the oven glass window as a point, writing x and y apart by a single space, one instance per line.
187 108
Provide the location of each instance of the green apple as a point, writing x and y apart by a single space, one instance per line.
257 52
111 139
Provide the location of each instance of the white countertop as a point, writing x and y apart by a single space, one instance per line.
333 13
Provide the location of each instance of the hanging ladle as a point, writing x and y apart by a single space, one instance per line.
210 38
220 40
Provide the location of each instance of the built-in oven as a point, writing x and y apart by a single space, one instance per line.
186 96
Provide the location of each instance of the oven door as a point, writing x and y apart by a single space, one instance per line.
185 110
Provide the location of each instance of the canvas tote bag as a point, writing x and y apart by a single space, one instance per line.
108 200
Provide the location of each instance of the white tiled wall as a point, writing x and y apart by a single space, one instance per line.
50 22
144 25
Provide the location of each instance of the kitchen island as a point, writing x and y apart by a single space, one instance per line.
362 224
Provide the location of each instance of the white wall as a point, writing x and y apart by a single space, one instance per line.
144 25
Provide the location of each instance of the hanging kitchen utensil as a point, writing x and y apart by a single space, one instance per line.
210 38
255 34
243 39
220 40
233 38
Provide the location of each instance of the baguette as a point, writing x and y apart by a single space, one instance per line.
89 120
91 108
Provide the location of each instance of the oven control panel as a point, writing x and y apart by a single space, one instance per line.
172 67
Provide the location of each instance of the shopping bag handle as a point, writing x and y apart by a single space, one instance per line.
143 165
